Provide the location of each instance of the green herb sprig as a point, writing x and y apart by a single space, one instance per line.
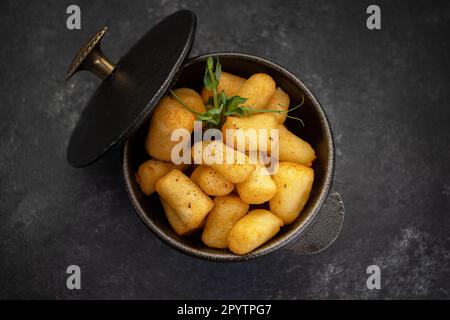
219 106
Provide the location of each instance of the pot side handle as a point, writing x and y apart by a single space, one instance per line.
324 229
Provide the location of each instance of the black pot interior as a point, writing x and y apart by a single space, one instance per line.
316 131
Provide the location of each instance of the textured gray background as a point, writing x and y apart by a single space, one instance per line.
386 94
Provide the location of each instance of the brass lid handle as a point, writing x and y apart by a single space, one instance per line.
91 58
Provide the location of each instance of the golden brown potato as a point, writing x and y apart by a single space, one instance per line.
178 226
151 170
254 229
249 129
168 116
259 188
211 182
234 170
226 212
279 101
258 89
294 182
294 149
185 197
228 82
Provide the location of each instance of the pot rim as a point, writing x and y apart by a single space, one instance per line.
291 235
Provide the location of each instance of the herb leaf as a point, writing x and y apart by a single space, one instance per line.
218 71
207 81
219 106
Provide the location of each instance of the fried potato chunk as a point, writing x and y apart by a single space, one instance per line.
259 188
294 182
168 116
258 90
251 129
211 181
253 230
294 149
226 212
232 164
185 197
176 223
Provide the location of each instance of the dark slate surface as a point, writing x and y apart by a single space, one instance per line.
386 94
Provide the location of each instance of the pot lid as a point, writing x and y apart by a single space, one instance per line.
131 88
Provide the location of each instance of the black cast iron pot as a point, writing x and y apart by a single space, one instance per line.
119 111
316 131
